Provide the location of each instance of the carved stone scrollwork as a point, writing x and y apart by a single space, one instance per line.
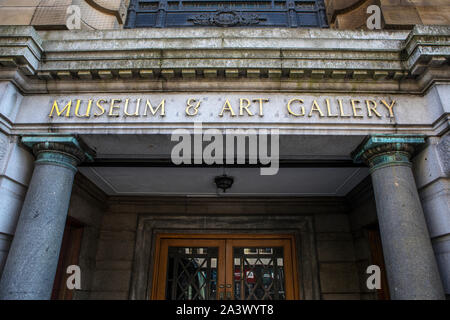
226 18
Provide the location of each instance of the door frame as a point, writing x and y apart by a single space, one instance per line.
149 225
179 239
160 265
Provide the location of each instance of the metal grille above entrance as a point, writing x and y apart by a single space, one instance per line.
226 13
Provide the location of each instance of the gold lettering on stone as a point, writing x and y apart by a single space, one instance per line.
298 107
113 106
390 107
329 114
341 109
245 106
192 107
372 108
261 101
58 112
88 109
136 111
227 107
100 107
315 107
149 106
356 108
302 108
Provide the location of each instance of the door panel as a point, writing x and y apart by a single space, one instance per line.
239 267
190 269
262 269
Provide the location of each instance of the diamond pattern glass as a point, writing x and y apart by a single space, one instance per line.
259 274
192 273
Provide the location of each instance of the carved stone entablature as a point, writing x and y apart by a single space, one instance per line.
226 18
384 61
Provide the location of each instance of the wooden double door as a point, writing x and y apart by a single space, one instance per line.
225 267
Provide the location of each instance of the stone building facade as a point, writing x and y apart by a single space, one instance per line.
87 119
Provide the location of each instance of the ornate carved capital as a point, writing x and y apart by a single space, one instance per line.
65 151
379 151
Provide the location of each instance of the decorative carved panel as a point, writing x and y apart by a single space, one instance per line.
226 13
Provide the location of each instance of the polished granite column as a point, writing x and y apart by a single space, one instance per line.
33 257
410 262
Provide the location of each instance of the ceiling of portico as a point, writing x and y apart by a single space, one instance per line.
171 181
310 166
118 147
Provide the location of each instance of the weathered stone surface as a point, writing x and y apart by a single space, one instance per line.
268 51
31 265
332 223
352 14
335 251
443 150
50 14
435 199
119 222
5 243
341 296
30 269
3 148
442 250
111 280
339 278
410 261
115 250
108 295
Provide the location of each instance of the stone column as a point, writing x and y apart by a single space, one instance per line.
410 262
33 257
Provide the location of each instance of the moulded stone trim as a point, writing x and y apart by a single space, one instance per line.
150 225
402 60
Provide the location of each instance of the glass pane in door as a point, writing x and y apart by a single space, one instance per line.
192 273
259 273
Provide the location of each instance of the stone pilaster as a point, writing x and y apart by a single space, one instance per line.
33 257
411 265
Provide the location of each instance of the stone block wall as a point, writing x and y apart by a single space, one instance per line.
111 14
396 14
337 270
16 167
114 257
87 205
52 14
336 256
432 174
363 216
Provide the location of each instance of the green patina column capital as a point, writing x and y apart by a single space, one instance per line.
63 150
383 150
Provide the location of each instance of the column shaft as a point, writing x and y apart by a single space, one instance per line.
410 262
31 265
411 266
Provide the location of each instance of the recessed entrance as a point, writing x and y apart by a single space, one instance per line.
225 267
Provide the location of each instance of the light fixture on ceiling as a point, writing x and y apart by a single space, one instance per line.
224 182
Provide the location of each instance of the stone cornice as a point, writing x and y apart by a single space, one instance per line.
20 48
427 46
267 59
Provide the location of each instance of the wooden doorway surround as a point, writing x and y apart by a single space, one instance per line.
229 278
